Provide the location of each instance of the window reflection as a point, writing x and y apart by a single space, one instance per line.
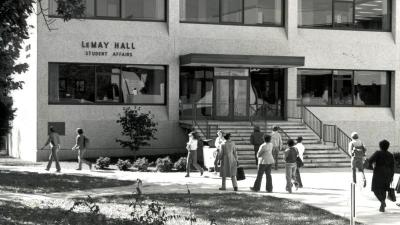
206 11
315 13
263 12
107 8
372 14
231 11
344 87
343 13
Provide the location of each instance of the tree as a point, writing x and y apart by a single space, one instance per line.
139 127
13 31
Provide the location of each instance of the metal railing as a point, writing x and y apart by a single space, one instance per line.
312 121
326 132
342 140
329 133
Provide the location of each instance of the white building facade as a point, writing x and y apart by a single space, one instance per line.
214 59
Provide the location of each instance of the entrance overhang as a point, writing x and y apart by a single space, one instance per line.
257 61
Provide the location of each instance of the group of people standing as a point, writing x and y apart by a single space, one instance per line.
267 149
81 144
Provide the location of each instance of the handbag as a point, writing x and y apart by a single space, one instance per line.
240 175
391 194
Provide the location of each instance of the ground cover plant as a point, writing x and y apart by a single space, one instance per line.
30 182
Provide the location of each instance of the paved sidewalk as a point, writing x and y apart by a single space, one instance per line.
328 189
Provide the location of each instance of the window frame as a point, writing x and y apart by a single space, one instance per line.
242 23
353 26
388 72
120 18
166 91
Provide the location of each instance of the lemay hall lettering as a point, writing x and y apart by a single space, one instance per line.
94 48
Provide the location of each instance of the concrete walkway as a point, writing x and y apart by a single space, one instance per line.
328 189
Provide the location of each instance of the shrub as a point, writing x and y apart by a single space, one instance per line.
138 128
164 164
141 164
102 163
180 165
124 165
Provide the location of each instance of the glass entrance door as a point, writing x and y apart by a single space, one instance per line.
231 101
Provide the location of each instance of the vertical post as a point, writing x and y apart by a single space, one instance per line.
353 204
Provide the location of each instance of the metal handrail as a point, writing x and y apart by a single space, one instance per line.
343 140
329 133
312 121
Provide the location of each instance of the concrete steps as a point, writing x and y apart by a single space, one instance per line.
316 154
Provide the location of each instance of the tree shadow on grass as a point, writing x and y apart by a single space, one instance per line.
12 213
30 182
232 208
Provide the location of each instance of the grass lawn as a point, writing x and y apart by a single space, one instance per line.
29 182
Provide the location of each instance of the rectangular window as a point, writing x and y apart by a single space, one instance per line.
372 88
149 10
315 13
263 12
143 84
143 9
106 84
373 15
345 14
107 8
231 11
315 87
247 12
204 11
344 87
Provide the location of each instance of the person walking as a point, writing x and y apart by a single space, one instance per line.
81 143
276 141
383 172
357 151
256 139
291 154
191 147
218 143
300 148
54 141
265 162
229 162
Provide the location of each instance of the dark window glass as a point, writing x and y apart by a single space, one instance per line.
206 11
107 8
231 11
71 83
343 16
315 13
371 88
143 84
195 91
83 84
108 83
373 14
263 12
342 87
89 11
315 87
143 9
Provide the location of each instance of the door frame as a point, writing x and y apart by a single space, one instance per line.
231 111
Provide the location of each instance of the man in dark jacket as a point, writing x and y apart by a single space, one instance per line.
256 139
383 172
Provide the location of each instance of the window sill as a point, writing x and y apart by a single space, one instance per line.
233 24
113 19
343 29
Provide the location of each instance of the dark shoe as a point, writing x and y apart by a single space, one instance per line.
78 168
365 183
201 172
269 191
58 171
300 186
187 175
253 189
47 169
381 209
235 188
296 185
90 166
398 204
289 190
222 189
